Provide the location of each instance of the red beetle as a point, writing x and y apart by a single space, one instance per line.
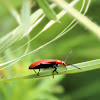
46 63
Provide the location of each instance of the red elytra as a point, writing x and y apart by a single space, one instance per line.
47 63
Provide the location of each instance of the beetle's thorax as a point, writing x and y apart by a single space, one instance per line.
61 62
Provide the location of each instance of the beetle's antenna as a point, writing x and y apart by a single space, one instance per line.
68 55
74 66
71 64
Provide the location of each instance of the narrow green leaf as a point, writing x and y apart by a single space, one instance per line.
17 33
25 16
85 66
47 10
81 18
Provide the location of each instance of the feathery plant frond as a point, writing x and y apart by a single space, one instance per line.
29 22
62 33
31 30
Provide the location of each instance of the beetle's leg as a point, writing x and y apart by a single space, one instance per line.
55 70
74 66
53 74
34 70
38 72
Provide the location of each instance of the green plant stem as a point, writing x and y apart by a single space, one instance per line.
81 18
85 66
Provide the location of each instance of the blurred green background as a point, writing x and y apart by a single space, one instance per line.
84 45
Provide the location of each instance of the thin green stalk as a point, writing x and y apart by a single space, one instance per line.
81 18
85 66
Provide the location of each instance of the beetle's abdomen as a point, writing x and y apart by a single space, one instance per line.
44 66
43 63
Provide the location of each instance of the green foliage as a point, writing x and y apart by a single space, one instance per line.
29 33
85 66
47 10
